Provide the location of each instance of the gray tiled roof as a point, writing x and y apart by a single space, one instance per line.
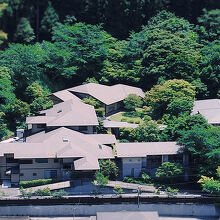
107 94
61 143
209 108
117 124
67 113
146 148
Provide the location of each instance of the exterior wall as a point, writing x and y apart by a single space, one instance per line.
87 130
131 167
113 107
35 129
27 171
55 100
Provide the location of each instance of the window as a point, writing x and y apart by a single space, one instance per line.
82 128
21 174
41 160
41 125
25 161
34 174
67 166
176 158
50 174
56 160
11 160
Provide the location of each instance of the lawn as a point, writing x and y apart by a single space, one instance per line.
120 117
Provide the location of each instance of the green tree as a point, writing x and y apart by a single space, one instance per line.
169 171
132 101
109 169
4 132
49 20
100 180
24 32
209 25
16 114
200 142
210 67
26 63
160 96
176 125
7 95
33 91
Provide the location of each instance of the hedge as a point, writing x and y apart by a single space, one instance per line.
40 182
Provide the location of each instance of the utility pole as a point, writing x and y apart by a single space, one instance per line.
138 191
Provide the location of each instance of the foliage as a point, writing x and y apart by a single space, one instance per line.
43 192
201 142
118 190
109 169
145 177
4 132
7 95
160 96
169 171
170 191
25 193
100 128
60 193
176 125
39 182
24 32
210 185
100 179
132 101
92 101
209 25
49 20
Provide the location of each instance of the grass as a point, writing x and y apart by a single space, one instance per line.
120 117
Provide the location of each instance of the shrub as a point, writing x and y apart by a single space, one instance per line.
43 192
60 193
210 185
25 193
100 112
3 193
124 141
168 171
40 182
109 169
145 177
132 101
92 101
157 191
170 191
118 190
100 179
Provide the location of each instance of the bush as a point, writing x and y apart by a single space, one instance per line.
40 182
109 169
91 101
118 190
210 185
170 191
60 193
132 101
100 179
25 193
132 180
43 192
145 177
100 112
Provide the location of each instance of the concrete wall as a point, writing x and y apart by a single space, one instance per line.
187 210
129 164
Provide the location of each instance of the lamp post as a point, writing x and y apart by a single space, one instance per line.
138 191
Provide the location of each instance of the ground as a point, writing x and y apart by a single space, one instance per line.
120 117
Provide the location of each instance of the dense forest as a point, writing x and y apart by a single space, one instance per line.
169 48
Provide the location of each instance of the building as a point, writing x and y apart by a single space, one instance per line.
77 116
209 109
61 153
137 157
110 96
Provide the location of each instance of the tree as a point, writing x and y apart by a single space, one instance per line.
100 180
132 101
210 66
200 142
160 96
169 171
4 132
26 63
16 114
33 91
209 25
109 169
176 125
24 32
7 95
49 20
